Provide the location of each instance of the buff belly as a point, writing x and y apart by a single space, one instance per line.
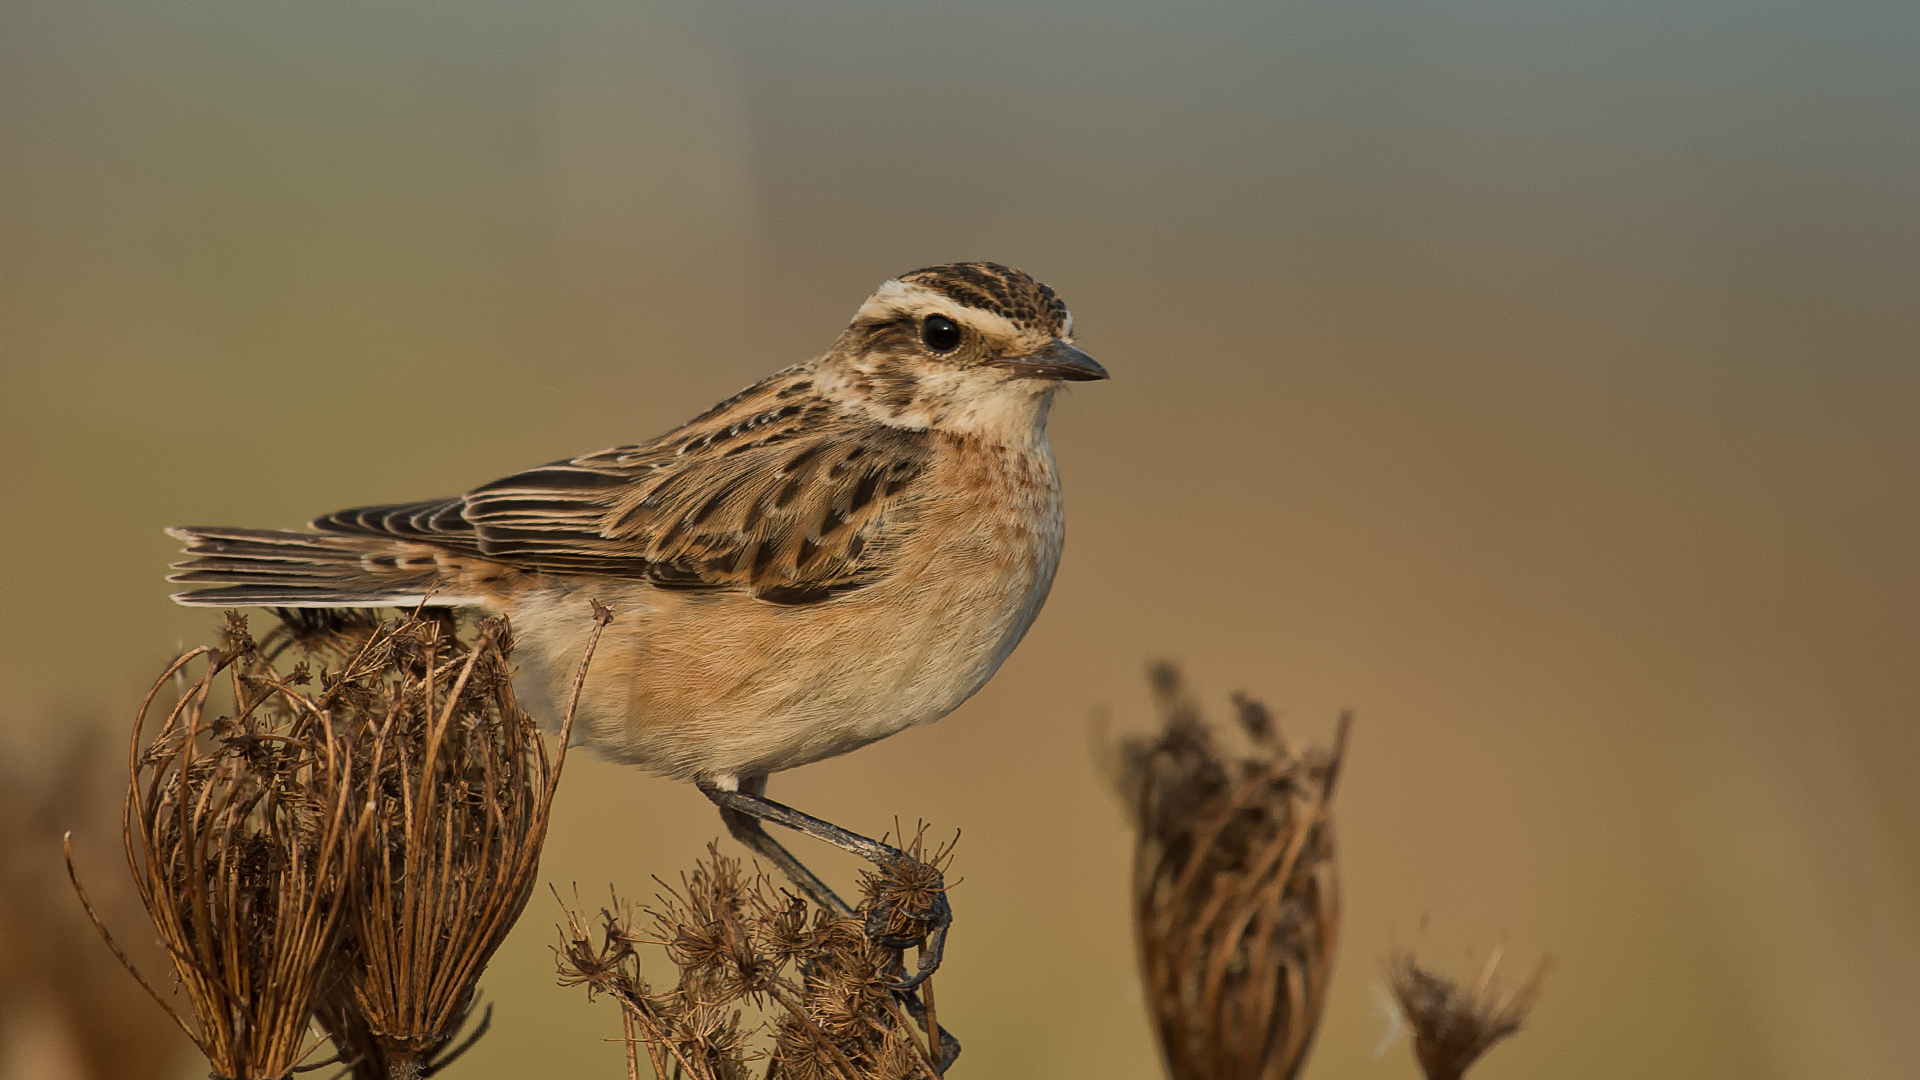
715 686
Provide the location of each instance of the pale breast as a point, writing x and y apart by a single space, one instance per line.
709 684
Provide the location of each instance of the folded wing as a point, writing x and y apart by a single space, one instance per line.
777 503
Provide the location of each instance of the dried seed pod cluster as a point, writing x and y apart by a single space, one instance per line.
825 987
1236 902
353 854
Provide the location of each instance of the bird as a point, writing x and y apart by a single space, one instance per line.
848 548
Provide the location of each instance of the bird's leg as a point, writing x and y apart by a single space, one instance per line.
747 829
745 808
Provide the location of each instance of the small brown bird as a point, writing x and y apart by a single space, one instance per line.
848 548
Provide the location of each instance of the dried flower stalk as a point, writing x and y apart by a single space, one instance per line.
1236 900
823 985
1453 1026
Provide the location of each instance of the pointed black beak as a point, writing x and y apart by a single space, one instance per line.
1058 360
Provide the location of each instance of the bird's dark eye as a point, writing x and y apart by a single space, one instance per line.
940 333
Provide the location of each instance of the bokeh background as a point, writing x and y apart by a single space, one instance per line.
1540 380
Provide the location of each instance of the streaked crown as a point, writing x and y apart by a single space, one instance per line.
1006 292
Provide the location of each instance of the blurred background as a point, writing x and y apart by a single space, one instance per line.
1540 380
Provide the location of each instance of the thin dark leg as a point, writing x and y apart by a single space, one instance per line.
749 806
746 829
750 801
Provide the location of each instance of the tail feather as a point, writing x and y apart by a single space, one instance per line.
266 568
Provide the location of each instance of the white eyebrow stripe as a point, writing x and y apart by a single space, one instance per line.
896 297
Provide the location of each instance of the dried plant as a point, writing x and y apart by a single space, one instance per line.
238 832
826 987
1236 902
452 812
353 856
1453 1026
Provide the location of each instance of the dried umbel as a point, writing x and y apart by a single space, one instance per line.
353 855
1236 903
454 795
826 989
240 836
1454 1025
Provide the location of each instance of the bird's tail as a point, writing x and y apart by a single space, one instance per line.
269 568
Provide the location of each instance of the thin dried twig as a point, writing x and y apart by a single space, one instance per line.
60 789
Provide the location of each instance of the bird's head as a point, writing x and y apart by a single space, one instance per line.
966 347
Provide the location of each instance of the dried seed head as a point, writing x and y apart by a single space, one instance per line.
820 985
1236 902
236 830
355 855
904 891
450 812
1453 1025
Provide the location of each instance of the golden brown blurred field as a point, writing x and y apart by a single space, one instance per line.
1540 380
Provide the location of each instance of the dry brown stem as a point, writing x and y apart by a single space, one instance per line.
1454 1025
1236 901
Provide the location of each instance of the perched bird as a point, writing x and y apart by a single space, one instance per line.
847 548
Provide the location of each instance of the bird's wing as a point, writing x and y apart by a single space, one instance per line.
764 495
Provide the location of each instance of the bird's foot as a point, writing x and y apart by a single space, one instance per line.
907 907
906 893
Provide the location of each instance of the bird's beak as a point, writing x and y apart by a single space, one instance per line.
1058 360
